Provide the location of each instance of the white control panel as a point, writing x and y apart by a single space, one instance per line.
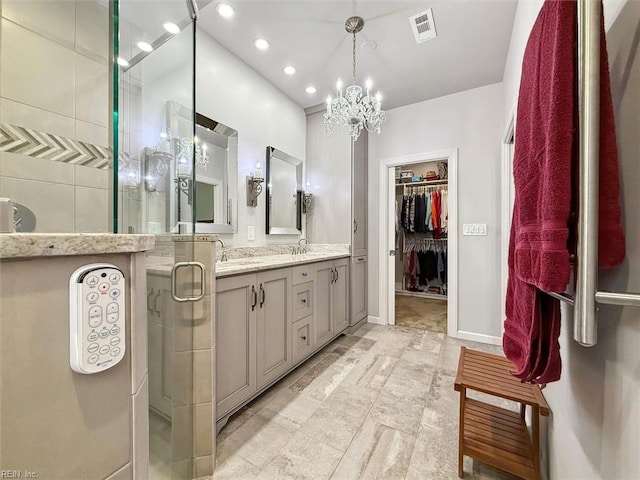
474 229
97 318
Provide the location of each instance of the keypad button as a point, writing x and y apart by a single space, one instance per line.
104 349
115 330
114 341
93 347
112 317
92 281
104 333
93 296
112 307
115 351
114 277
95 316
92 337
104 287
115 293
93 358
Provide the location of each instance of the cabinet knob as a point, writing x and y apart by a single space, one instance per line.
304 274
304 300
303 337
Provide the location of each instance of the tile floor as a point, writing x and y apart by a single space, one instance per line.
378 404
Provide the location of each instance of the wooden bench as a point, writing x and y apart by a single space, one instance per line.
493 435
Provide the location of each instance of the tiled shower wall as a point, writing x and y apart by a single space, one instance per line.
54 111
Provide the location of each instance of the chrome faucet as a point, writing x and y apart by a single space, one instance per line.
223 257
303 248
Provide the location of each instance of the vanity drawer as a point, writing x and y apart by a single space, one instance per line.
302 300
302 339
303 274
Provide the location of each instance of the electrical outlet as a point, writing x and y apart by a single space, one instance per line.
251 233
474 229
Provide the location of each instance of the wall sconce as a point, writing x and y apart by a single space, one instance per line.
307 202
254 185
156 164
254 189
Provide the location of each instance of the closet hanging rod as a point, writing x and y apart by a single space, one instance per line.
585 324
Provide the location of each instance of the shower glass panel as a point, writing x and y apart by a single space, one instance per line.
156 57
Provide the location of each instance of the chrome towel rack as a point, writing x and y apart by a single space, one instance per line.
587 296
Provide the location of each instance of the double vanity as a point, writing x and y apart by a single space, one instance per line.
272 312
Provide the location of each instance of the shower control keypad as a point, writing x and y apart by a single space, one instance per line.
97 316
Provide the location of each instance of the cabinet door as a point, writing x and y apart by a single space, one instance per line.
235 342
322 323
359 201
156 347
339 300
274 324
358 289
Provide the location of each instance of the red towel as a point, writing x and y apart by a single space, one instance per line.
543 176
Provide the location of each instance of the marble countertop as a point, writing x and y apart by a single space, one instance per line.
157 265
25 245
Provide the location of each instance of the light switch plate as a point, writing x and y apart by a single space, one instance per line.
251 233
474 229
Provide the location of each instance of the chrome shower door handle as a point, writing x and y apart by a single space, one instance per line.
174 283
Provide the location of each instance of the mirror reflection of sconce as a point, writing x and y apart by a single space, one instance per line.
130 174
254 189
156 164
307 202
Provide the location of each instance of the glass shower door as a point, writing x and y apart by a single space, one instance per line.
156 160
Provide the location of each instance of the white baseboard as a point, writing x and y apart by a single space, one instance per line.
375 320
477 337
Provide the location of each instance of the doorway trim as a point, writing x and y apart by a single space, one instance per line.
386 287
507 196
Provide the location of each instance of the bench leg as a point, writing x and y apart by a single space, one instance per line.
463 397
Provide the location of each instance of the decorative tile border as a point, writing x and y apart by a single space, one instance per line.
32 143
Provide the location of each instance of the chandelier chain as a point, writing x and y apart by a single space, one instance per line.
354 58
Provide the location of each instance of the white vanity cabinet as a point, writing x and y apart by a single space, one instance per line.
331 303
254 321
268 322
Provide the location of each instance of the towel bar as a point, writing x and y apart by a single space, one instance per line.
585 325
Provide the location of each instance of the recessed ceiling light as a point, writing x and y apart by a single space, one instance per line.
172 28
122 62
225 10
310 90
261 43
144 46
289 70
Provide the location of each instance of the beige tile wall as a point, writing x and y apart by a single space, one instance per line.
54 79
58 423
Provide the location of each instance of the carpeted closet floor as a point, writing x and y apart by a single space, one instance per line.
422 313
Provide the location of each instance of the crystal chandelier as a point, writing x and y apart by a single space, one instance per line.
185 151
352 111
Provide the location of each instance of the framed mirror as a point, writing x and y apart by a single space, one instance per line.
284 193
215 192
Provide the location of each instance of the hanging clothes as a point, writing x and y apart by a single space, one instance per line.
425 212
425 264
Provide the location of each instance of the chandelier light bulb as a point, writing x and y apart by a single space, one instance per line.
368 84
339 87
329 105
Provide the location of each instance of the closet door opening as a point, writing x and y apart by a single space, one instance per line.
418 237
421 245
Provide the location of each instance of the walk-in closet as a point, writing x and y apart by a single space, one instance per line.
421 275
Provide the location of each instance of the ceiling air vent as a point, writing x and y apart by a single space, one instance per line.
423 27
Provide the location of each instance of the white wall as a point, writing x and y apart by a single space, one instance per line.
231 92
471 121
594 431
